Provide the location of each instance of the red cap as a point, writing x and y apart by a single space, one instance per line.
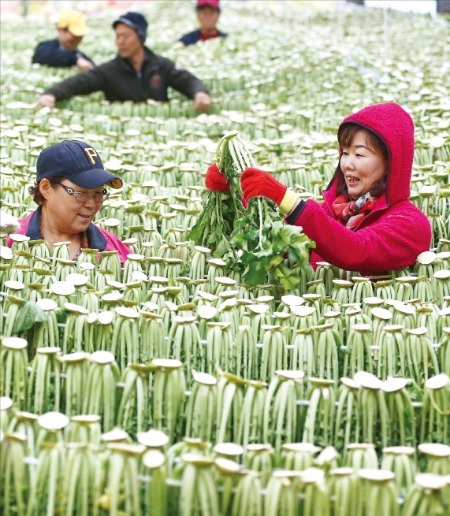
214 4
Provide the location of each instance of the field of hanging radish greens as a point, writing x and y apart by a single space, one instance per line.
192 382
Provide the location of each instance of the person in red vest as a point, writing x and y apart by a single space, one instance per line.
208 12
366 222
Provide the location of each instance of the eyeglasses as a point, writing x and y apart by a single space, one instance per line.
83 197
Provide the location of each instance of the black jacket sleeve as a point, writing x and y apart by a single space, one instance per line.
181 80
81 84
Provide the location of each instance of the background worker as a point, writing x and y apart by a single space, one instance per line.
63 51
366 222
135 74
208 13
70 190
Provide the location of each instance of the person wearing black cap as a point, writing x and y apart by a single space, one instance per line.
136 74
70 190
208 12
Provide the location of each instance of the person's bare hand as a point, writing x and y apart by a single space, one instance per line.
46 100
202 101
84 65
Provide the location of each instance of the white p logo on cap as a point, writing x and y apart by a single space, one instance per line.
92 153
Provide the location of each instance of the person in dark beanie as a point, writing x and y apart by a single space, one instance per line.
208 12
135 74
63 51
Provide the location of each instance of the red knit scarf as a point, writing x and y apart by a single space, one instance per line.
351 213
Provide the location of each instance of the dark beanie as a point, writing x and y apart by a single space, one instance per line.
136 21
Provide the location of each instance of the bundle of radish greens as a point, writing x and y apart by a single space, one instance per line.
254 241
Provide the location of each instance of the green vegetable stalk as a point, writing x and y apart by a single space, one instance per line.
281 413
251 422
14 475
198 493
400 460
13 370
156 489
281 498
247 499
345 492
320 414
229 407
44 385
169 396
101 383
134 413
81 482
425 496
122 492
347 426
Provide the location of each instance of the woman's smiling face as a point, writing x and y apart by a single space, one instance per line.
361 165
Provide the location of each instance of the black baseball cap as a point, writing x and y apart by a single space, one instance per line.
76 161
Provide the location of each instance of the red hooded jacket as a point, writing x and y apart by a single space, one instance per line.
395 231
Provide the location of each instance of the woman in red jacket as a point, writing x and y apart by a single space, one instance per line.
366 222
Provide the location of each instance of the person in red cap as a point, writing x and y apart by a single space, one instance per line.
70 190
135 74
366 222
63 51
208 12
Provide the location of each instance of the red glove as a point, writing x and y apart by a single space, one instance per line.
214 180
257 183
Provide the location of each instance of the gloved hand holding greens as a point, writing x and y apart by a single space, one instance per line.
255 242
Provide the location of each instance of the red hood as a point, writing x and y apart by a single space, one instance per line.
395 127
